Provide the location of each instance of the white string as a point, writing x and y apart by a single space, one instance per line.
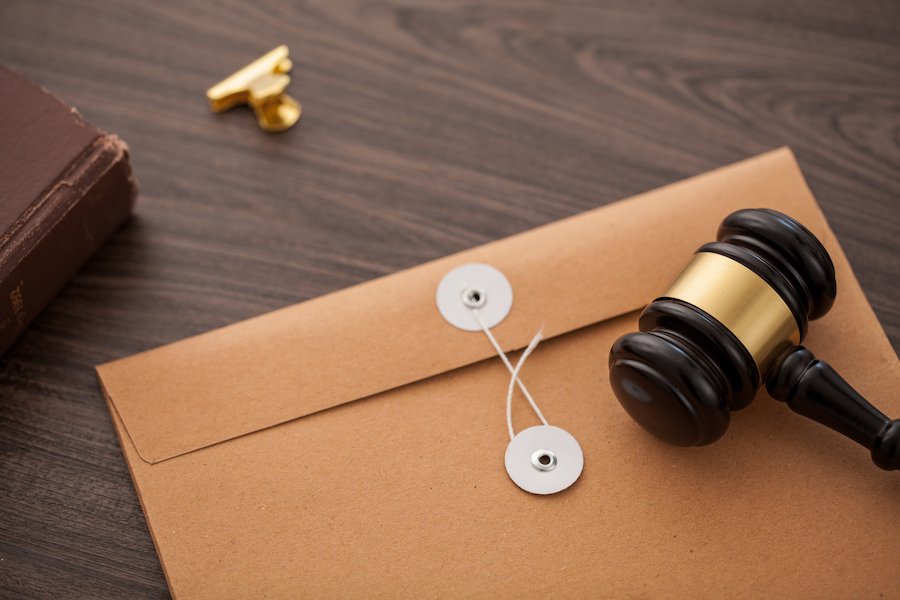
514 372
512 385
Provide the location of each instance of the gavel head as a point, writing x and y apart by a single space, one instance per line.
705 346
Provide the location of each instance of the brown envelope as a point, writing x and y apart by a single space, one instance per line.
352 445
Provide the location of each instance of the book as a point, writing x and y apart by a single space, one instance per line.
65 187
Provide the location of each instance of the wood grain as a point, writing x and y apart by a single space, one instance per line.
428 128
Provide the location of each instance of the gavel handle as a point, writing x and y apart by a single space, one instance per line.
813 389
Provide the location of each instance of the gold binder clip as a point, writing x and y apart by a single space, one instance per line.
260 84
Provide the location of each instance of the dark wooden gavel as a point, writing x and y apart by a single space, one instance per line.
732 321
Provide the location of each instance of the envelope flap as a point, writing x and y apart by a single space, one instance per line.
388 332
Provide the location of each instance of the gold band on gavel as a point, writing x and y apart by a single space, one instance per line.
740 300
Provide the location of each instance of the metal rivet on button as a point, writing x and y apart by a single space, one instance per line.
474 297
543 460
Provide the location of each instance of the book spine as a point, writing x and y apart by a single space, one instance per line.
45 266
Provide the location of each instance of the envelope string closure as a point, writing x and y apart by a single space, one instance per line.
543 459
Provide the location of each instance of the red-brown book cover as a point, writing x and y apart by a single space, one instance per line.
65 186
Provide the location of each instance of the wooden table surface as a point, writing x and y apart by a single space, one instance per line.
428 128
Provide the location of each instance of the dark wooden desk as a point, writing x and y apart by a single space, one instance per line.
427 129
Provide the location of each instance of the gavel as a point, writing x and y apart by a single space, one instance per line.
732 321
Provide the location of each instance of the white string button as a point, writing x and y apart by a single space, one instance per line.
543 459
